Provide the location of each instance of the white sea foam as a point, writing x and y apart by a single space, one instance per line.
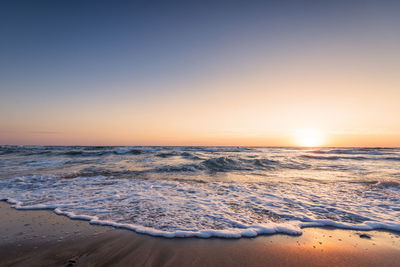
183 209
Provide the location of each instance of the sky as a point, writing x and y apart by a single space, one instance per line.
240 73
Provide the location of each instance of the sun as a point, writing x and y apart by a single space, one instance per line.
309 137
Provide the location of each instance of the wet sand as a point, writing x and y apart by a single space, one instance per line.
42 238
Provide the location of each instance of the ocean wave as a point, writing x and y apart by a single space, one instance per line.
167 154
350 158
222 164
393 158
289 228
356 151
332 157
226 164
95 153
387 183
179 168
182 208
207 191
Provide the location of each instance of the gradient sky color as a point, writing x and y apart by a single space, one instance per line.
199 73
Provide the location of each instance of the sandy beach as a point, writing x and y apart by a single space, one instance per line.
42 238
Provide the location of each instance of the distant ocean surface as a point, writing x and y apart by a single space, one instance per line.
206 192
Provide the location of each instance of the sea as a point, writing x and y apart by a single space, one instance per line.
227 192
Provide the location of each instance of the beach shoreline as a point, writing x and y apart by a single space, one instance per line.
42 238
